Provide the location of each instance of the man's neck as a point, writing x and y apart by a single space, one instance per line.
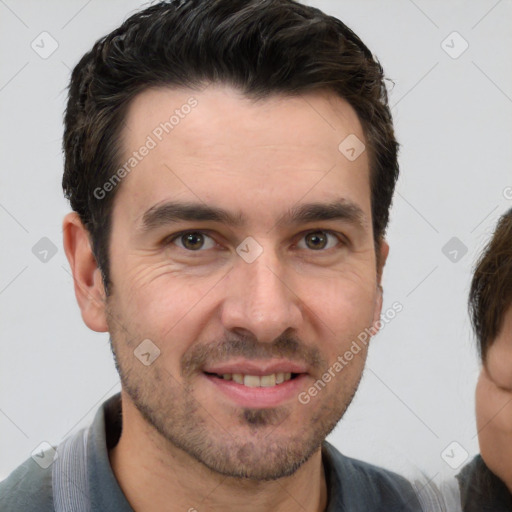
156 476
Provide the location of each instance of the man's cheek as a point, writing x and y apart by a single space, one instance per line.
157 294
342 292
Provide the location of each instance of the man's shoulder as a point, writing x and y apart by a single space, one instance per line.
364 486
376 474
27 489
385 487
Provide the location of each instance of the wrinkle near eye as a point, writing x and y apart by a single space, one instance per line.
146 274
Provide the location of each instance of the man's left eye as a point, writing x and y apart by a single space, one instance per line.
318 240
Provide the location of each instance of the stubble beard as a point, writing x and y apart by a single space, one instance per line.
255 446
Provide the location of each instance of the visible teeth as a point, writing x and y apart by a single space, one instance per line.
238 377
268 380
252 381
255 381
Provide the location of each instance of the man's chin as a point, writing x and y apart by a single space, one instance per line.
254 461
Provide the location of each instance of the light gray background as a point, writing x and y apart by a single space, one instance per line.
453 119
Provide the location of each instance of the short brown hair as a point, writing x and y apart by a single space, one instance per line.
261 47
490 295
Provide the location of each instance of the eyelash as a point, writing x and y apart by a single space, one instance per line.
169 240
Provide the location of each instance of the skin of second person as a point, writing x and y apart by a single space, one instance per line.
494 404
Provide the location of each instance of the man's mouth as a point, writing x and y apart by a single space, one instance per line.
256 381
258 384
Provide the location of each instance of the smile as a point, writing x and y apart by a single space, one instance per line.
256 381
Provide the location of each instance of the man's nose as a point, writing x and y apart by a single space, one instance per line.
260 297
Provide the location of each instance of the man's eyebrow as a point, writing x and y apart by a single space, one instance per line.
341 209
170 212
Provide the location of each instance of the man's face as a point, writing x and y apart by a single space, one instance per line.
290 299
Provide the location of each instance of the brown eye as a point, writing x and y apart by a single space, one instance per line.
319 240
316 240
193 241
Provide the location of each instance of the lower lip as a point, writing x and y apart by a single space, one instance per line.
262 396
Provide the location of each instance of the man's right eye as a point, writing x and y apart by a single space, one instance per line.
192 241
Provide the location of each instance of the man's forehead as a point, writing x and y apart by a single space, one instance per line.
219 110
204 159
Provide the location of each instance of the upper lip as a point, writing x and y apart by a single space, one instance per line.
256 368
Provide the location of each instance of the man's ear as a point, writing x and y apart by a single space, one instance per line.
382 257
89 290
